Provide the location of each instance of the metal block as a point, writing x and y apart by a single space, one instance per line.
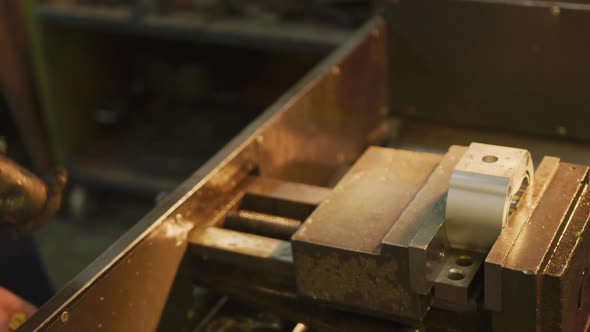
241 249
532 249
423 220
456 283
497 255
368 200
564 301
282 198
337 250
482 188
269 259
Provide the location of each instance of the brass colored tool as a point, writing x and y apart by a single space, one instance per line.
26 201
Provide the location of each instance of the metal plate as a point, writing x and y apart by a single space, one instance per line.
420 227
533 247
481 62
497 255
564 302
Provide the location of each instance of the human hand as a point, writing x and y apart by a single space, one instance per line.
13 310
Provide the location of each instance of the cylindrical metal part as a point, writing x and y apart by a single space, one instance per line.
23 196
482 188
262 224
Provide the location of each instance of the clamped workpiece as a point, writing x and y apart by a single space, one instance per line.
411 237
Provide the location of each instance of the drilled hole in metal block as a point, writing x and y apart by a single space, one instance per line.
455 274
489 159
464 261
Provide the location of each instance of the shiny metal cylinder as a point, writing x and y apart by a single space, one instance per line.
23 195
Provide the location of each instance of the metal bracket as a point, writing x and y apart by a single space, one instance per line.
485 184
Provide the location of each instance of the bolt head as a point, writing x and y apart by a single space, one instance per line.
64 317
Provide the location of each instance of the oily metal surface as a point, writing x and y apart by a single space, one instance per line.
532 249
452 57
497 255
565 286
201 197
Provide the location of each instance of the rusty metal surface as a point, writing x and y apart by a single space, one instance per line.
297 138
532 249
507 59
497 255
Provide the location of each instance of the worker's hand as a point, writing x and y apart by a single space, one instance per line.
13 310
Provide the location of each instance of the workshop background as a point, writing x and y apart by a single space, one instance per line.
133 96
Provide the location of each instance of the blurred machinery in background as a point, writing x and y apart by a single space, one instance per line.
344 13
152 64
309 219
